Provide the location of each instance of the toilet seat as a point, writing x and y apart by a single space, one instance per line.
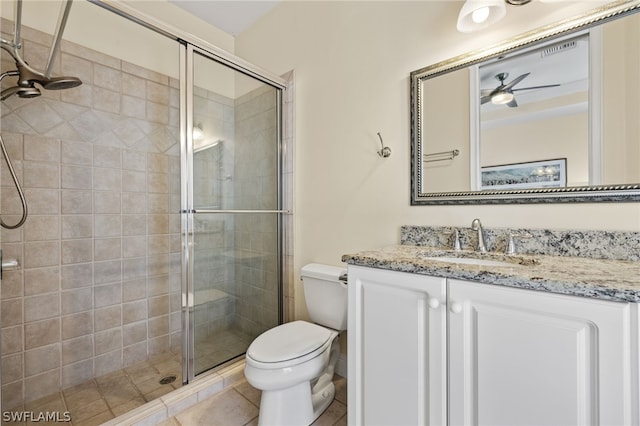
289 344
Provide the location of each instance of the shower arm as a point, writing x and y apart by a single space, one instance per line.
62 23
17 22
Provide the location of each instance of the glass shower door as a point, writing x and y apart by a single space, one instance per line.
234 227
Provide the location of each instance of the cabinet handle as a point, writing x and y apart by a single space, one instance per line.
434 303
456 308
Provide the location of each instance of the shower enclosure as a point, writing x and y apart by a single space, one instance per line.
154 241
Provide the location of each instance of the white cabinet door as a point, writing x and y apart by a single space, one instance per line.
519 357
396 348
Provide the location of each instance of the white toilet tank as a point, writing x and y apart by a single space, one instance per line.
326 295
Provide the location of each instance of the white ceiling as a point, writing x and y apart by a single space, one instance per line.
231 16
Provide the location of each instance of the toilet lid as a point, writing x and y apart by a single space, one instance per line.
288 341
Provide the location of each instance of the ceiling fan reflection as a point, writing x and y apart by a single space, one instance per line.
503 94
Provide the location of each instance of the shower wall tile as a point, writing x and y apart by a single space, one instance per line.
107 179
11 312
109 317
134 246
158 93
12 284
40 333
38 148
76 202
106 100
108 341
77 373
134 202
41 254
134 311
134 290
105 156
134 224
77 153
134 333
76 251
134 86
42 384
107 248
77 349
81 95
106 363
38 228
134 181
77 226
78 67
133 107
106 295
76 276
107 272
12 368
43 201
157 113
38 281
78 300
41 175
76 325
11 340
107 202
159 203
76 177
107 77
134 354
42 359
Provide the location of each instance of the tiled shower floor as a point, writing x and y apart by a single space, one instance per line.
108 396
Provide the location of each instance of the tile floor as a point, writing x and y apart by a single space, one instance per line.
239 405
106 397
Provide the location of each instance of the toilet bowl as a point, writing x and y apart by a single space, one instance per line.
293 363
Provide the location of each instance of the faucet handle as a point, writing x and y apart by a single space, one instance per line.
455 244
510 247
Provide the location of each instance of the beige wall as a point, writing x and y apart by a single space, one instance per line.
352 62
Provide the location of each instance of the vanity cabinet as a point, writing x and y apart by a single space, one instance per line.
435 351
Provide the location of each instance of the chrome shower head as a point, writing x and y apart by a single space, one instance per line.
60 83
28 76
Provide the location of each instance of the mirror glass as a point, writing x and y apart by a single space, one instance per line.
549 120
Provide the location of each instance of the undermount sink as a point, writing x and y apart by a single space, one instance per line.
473 261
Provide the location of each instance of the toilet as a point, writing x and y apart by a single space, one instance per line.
293 363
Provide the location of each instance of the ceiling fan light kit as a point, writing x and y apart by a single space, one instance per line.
501 98
476 15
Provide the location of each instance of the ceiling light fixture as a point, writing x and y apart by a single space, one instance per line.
479 14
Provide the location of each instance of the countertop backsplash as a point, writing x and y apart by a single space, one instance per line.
613 245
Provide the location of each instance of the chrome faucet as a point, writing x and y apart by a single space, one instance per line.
477 226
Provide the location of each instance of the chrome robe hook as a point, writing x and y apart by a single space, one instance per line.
385 151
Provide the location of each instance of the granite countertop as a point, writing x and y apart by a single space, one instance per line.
616 280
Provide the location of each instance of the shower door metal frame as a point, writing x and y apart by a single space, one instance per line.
188 209
188 45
